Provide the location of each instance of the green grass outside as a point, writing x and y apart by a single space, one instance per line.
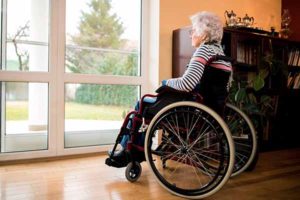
19 111
95 112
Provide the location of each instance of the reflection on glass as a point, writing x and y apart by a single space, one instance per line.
24 120
106 44
26 35
94 113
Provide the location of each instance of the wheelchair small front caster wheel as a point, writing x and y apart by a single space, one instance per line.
133 171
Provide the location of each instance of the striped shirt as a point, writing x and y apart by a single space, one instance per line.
193 74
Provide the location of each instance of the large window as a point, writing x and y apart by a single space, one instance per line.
103 39
70 71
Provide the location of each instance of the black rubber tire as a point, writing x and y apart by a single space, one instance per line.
133 171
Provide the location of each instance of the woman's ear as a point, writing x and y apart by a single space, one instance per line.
204 37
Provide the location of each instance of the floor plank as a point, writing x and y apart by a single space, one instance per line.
276 176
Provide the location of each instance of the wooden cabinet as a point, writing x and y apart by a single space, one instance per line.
252 50
182 51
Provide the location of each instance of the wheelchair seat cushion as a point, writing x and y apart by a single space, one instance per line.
166 96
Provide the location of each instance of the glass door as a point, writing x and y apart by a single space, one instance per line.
70 71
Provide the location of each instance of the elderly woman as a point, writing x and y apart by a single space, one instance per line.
212 82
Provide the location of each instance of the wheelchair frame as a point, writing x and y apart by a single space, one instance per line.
140 124
227 149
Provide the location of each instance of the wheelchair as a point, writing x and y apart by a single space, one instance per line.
190 149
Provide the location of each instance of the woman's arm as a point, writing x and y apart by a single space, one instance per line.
193 73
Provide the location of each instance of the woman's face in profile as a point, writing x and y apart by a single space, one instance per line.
196 39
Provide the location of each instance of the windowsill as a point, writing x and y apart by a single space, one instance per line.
39 141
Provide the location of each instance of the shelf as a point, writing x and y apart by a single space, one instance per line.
292 91
292 68
249 30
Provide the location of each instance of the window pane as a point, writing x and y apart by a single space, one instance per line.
38 63
103 37
24 116
94 113
26 35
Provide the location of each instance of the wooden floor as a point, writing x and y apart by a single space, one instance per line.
277 176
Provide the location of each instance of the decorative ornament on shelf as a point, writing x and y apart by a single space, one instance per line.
286 19
230 18
233 21
248 21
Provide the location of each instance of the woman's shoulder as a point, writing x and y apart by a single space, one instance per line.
212 48
208 50
203 49
208 46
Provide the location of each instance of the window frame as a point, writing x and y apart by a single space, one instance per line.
57 78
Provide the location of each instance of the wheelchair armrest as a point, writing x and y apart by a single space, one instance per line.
167 89
162 90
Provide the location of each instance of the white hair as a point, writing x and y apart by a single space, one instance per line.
209 24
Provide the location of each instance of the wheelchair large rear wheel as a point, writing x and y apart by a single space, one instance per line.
189 150
244 138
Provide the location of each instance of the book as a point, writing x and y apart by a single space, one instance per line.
291 57
289 80
296 84
296 58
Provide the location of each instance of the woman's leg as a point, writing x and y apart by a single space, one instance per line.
126 137
124 141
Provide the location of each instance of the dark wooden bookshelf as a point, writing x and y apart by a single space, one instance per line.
248 48
245 67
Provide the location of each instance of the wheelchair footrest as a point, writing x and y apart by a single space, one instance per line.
118 164
118 160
